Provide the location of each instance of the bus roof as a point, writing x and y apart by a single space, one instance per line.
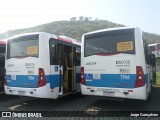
33 33
111 29
4 41
69 40
153 44
61 38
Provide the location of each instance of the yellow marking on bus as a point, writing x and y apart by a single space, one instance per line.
125 46
31 50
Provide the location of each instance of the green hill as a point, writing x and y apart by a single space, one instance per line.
74 28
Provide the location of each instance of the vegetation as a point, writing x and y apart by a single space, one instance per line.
75 28
158 78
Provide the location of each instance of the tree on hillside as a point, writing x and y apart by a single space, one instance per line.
73 19
90 18
86 19
81 18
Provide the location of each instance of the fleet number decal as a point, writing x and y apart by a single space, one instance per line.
125 77
124 70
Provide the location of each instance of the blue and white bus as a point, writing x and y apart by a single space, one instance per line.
42 65
116 63
2 62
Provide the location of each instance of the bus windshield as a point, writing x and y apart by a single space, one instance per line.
109 44
25 46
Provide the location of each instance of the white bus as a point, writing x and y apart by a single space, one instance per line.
155 49
2 62
116 63
42 65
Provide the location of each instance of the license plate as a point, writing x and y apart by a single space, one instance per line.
21 92
107 93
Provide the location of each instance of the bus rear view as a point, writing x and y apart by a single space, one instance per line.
21 64
115 63
42 65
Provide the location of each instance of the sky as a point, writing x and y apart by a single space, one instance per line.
17 14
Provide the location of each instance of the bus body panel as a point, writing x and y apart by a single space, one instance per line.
41 92
44 60
23 73
26 71
141 60
136 93
114 77
118 71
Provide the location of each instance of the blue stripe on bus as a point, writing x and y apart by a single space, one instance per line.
54 81
23 80
78 78
112 80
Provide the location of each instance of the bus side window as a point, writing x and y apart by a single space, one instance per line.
52 46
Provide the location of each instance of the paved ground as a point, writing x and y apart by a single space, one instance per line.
77 106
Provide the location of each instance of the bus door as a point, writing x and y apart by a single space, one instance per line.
59 56
73 68
69 82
